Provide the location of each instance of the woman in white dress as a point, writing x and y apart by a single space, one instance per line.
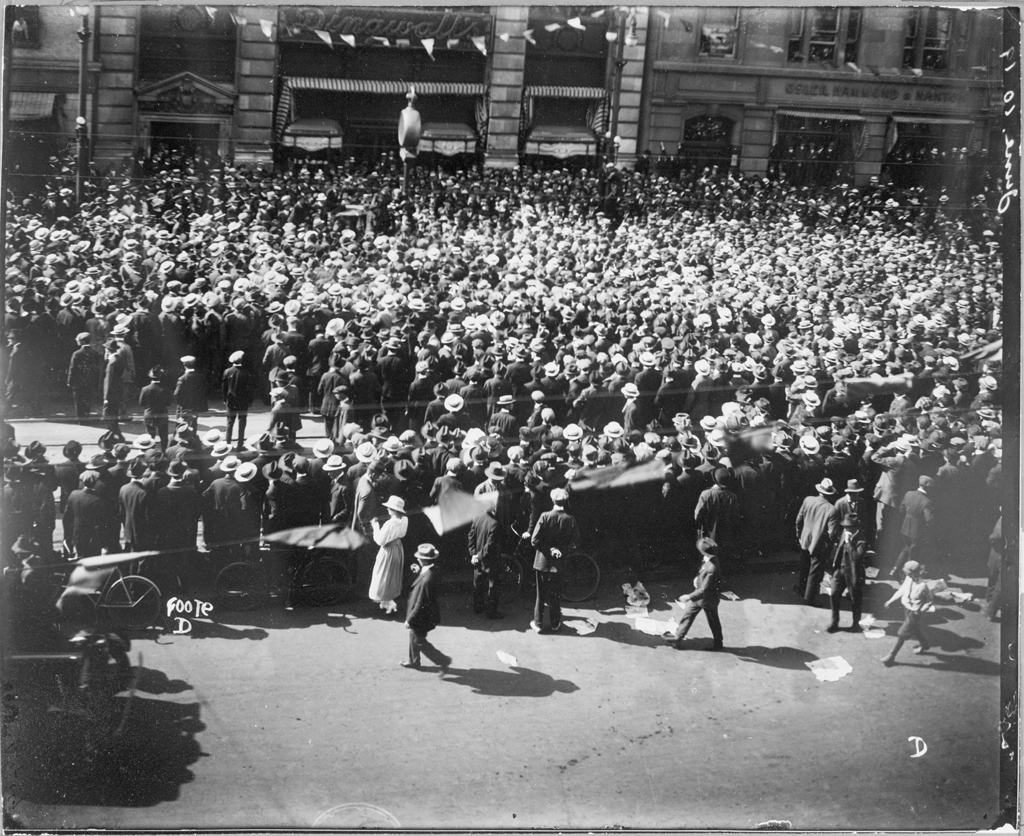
386 580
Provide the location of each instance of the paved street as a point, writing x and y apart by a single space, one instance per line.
292 714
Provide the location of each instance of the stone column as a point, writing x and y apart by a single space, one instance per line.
630 93
506 87
256 75
114 128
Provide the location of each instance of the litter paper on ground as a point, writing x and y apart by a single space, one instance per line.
867 621
636 612
729 595
830 669
874 633
584 626
636 596
508 659
871 571
654 627
960 596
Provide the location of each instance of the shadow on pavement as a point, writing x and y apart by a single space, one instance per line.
275 617
46 761
516 682
156 682
216 630
953 664
790 658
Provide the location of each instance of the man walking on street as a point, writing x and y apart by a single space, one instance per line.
555 535
423 612
817 525
916 597
707 590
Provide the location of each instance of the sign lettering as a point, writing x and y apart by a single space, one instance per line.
299 22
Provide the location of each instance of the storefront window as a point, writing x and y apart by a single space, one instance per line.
812 151
718 32
929 34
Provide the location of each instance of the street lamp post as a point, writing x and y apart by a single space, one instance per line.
81 132
409 129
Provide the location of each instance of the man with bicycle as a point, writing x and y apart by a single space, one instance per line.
556 534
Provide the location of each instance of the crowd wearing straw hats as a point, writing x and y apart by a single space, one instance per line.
776 349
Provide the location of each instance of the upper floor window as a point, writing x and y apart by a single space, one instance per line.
718 32
199 39
824 35
929 36
24 25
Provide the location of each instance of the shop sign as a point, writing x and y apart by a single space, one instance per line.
853 93
300 23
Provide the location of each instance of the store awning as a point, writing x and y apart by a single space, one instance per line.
821 114
447 139
561 141
364 85
561 91
929 120
312 134
27 106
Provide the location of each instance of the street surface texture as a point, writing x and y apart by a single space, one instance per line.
283 719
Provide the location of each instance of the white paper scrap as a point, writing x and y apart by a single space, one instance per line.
874 633
830 669
636 612
584 627
508 659
867 620
729 595
654 627
871 571
960 596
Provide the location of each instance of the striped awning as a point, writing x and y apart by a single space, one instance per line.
364 85
821 114
929 120
28 106
558 91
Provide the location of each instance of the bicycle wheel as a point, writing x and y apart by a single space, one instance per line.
580 577
132 602
324 581
510 579
240 586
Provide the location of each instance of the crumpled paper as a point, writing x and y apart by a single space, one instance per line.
867 621
636 612
729 595
508 659
830 669
871 571
636 596
654 627
939 590
874 633
584 626
960 596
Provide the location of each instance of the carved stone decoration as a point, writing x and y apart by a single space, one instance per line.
186 93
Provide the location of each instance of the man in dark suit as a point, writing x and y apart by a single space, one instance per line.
556 534
155 399
485 539
423 612
176 510
817 525
84 374
85 518
223 506
190 393
133 500
330 409
847 568
707 591
237 389
917 520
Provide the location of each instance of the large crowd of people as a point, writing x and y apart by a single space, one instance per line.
791 356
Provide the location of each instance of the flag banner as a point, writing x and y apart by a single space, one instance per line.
428 45
552 27
575 23
504 36
452 43
528 35
349 39
403 43
325 37
268 28
382 40
480 43
212 12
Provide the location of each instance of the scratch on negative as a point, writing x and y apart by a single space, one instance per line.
648 771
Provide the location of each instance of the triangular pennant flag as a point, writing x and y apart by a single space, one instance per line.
575 23
504 36
917 72
552 27
238 20
854 67
428 45
212 12
324 36
666 16
384 41
349 39
478 42
759 45
528 35
774 48
598 13
268 28
452 43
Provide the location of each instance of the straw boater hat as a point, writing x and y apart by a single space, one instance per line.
426 553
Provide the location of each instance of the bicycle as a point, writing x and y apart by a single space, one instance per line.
322 580
130 602
581 575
